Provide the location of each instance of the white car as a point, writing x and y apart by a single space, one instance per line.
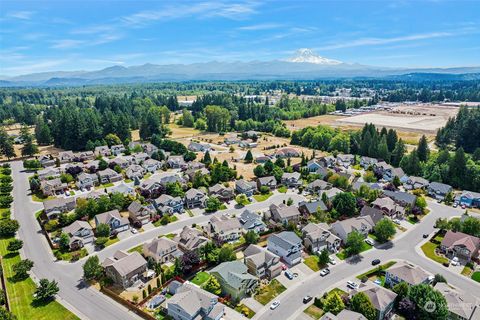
333 262
455 261
275 304
396 221
369 241
133 230
352 285
324 272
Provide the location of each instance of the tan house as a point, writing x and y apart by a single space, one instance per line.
162 250
261 262
125 269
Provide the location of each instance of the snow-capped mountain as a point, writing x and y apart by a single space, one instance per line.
306 55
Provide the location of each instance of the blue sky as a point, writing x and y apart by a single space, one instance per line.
38 36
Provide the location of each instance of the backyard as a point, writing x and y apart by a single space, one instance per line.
269 292
200 278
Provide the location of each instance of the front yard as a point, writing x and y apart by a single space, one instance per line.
269 292
312 262
342 255
246 311
262 197
314 312
429 250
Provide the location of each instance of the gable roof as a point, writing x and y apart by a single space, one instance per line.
234 273
440 187
409 273
400 196
77 225
458 238
380 297
258 255
313 206
285 239
125 263
374 213
460 303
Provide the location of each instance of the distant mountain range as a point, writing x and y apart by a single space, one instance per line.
306 65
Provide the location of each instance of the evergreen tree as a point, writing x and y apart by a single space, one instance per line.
398 153
458 168
206 158
249 157
42 132
392 139
382 151
423 149
361 303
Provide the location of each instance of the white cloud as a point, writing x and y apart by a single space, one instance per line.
21 15
67 43
33 67
261 26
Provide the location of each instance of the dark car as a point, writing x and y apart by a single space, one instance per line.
375 262
307 299
425 235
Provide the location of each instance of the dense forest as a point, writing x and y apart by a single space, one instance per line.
462 130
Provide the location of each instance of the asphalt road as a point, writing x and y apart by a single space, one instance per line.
86 302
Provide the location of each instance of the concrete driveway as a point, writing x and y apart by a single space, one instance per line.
300 270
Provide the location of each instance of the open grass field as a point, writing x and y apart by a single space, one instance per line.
20 293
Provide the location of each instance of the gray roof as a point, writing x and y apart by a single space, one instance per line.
57 202
285 239
343 315
409 273
106 216
258 255
225 224
192 193
460 303
312 207
355 223
193 299
267 180
400 196
245 185
159 246
374 213
125 263
440 187
77 225
234 273
380 297
250 219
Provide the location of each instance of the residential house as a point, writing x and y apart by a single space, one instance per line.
190 173
252 221
139 158
374 213
162 250
313 165
158 181
461 245
389 173
117 149
470 199
65 156
261 263
195 165
46 161
328 161
102 151
367 162
168 204
461 305
269 182
345 314
312 207
224 228
372 186
195 198
83 156
413 183
122 161
123 189
389 207
221 192
284 214
80 233
109 176
198 147
151 165
382 299
322 172
348 176
287 153
234 279
140 213
317 237
402 198
124 269
439 190
93 195
345 160
287 245
262 159
248 143
330 193
135 171
247 188
52 187
231 140
48 173
193 303
114 220
190 239
176 162
406 272
291 179
342 229
87 180
317 185
149 148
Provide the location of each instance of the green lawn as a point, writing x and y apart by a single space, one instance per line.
476 276
282 189
429 250
103 186
222 207
40 197
112 241
68 256
342 255
243 309
268 293
262 197
20 294
314 312
137 249
467 271
375 270
200 278
312 262
190 213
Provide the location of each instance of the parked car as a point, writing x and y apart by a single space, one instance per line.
352 285
375 262
464 206
455 261
133 230
284 267
369 241
455 204
396 221
289 274
307 299
274 305
333 262
425 235
324 272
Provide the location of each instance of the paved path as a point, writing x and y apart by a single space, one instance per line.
87 302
